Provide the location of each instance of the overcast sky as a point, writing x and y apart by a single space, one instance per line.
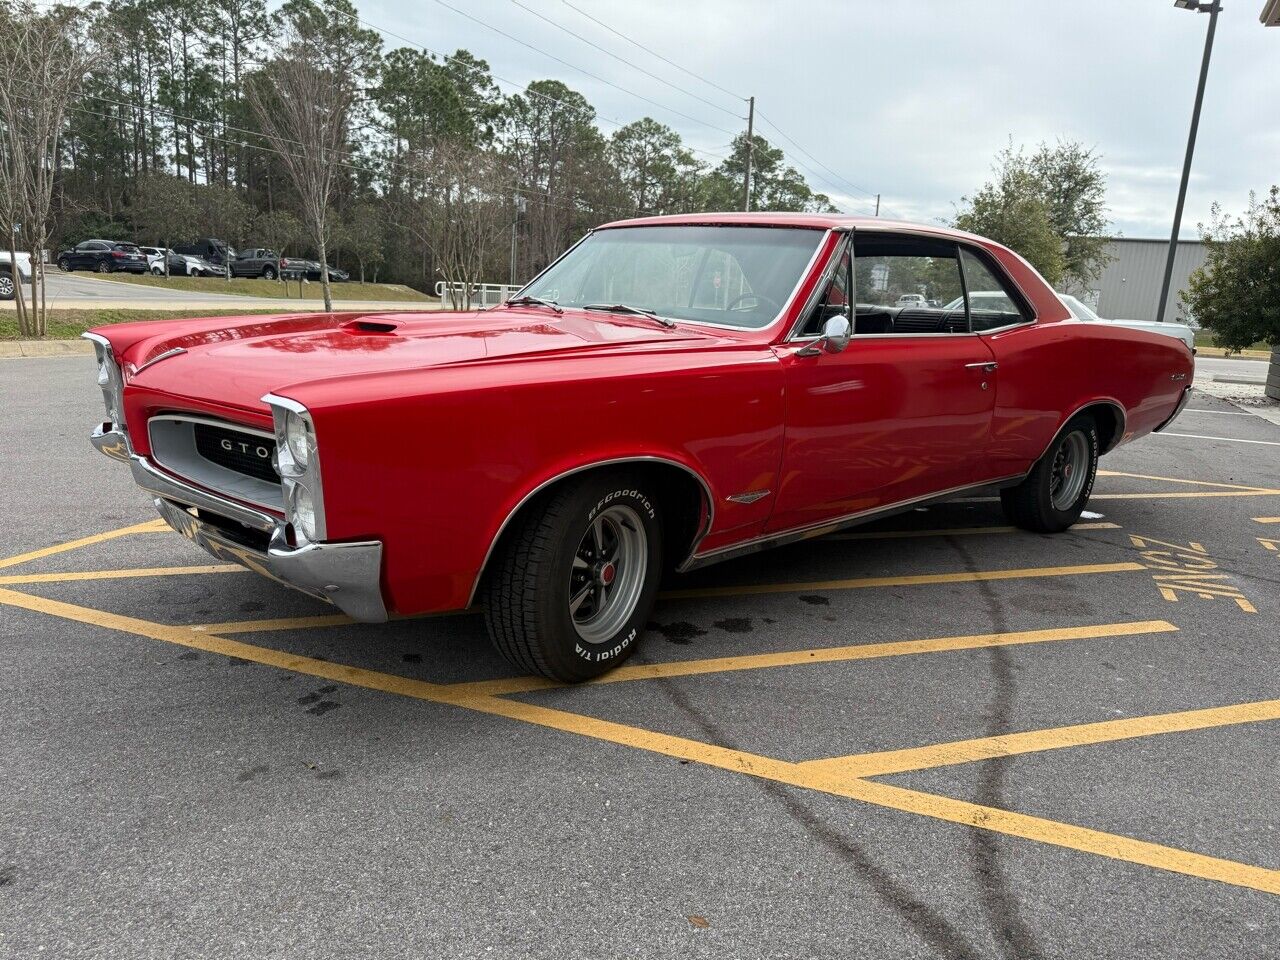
912 98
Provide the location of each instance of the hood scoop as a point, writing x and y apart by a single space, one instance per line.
384 327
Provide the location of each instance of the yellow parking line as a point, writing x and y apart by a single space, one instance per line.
936 807
1034 741
1266 519
151 526
952 532
1184 495
1198 483
283 623
119 574
859 583
791 658
879 794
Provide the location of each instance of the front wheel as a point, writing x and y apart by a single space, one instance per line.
1055 492
64 265
7 288
572 587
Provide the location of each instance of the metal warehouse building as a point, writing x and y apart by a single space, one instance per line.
1129 286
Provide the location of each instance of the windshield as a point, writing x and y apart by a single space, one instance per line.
734 276
1078 309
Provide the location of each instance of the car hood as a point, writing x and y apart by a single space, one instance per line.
237 361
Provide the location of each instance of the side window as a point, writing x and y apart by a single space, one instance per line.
907 284
991 303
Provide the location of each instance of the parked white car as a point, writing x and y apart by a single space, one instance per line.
8 289
912 300
1081 311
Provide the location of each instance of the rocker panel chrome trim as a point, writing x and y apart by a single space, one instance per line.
823 527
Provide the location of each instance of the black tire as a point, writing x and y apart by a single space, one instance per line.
268 273
1038 502
530 583
65 265
7 287
103 267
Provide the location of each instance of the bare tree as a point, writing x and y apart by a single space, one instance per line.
461 211
46 56
303 100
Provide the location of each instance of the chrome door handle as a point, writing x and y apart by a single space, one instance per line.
989 366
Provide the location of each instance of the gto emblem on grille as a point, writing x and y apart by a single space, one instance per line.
259 451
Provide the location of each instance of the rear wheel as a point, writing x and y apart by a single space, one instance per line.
103 267
1055 492
268 273
571 590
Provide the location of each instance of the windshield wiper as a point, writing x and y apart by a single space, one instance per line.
528 301
627 308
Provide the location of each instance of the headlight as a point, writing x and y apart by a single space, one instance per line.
110 381
300 439
298 463
304 512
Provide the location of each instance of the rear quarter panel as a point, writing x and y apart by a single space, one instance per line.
433 462
1050 370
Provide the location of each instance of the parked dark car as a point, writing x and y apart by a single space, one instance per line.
217 252
294 269
256 262
338 276
103 256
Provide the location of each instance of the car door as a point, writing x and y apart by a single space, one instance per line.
904 411
82 255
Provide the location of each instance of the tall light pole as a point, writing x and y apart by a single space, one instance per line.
1213 9
746 177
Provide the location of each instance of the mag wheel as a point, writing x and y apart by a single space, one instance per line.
572 587
1055 492
103 267
6 287
268 273
64 264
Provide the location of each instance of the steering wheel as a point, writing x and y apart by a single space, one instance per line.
777 307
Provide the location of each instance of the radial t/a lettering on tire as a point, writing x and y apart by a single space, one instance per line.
572 586
1055 492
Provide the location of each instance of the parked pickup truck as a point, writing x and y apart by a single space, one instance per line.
256 262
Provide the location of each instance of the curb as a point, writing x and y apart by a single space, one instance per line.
15 349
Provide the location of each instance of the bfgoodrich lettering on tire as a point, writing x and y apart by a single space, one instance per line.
1056 490
573 583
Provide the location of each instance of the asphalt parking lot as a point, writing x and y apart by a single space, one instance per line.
934 737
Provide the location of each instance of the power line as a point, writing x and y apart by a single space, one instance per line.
849 184
587 73
620 59
653 53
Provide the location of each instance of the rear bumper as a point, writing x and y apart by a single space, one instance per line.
348 575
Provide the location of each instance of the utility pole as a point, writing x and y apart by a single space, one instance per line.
877 204
746 178
1212 9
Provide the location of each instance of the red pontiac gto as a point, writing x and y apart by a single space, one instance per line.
671 392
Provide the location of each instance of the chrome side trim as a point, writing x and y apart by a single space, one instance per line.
699 536
156 359
823 527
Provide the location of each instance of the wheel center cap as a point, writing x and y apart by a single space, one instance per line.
607 574
1066 470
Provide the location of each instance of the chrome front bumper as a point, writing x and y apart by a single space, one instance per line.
348 575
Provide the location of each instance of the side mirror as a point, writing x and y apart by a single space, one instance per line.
835 334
